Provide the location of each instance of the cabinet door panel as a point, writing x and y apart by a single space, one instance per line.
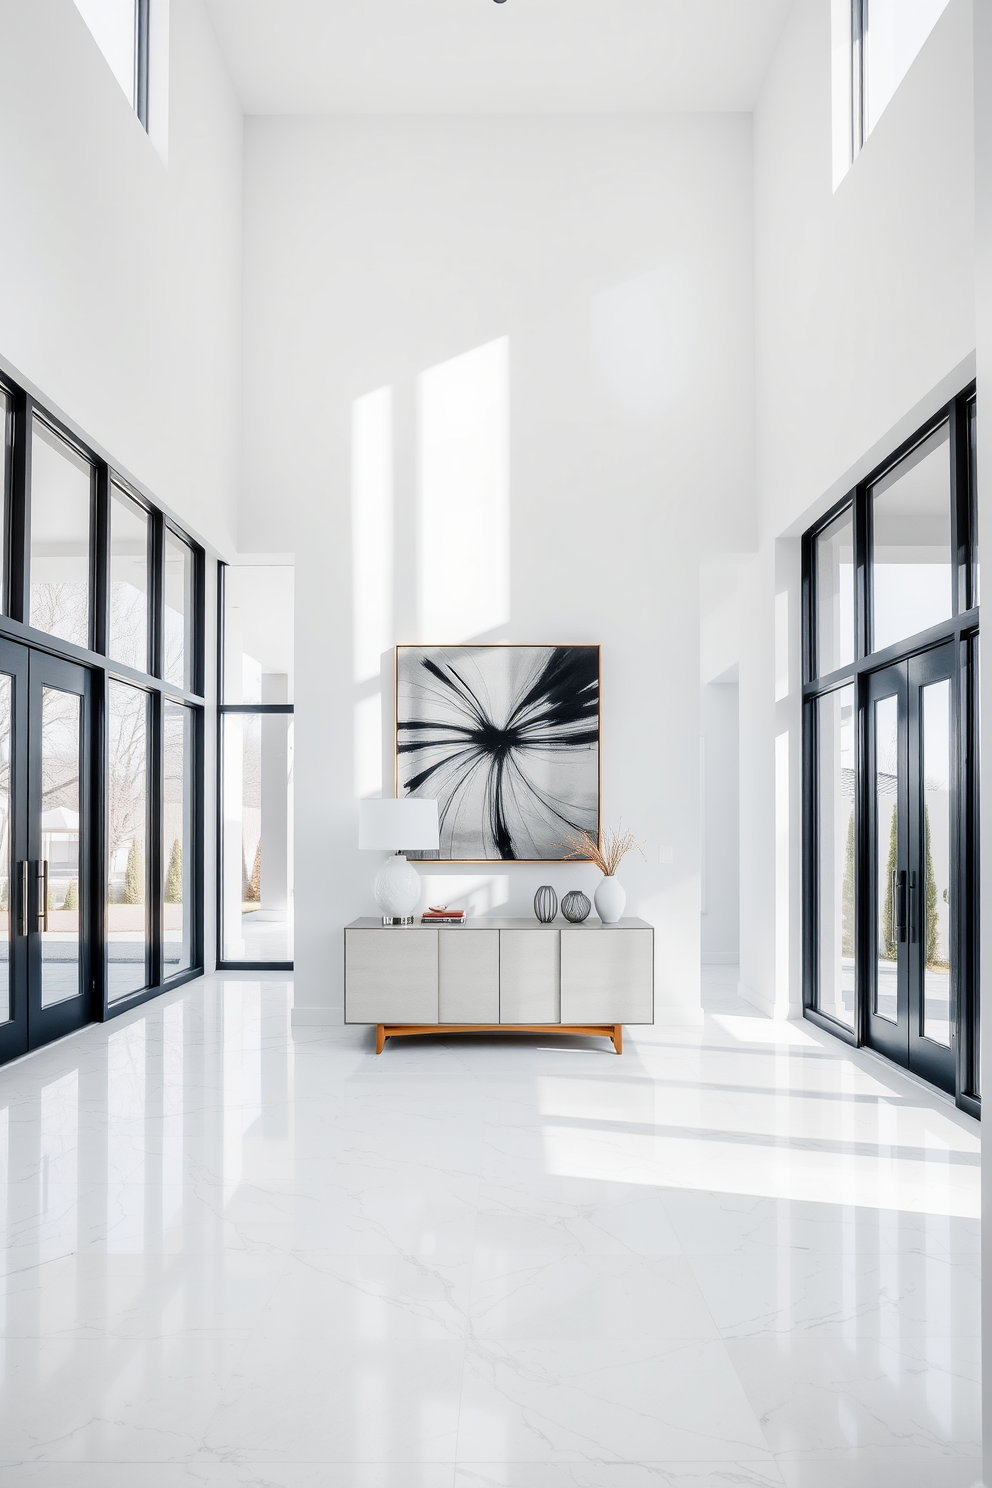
468 976
529 985
390 976
607 975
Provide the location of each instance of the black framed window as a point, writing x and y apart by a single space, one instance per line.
178 591
890 648
129 633
886 36
60 517
127 932
96 576
255 767
120 30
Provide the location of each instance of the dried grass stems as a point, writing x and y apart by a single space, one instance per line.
608 853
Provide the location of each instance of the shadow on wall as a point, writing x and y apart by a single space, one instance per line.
461 563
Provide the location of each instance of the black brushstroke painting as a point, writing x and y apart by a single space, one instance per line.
506 738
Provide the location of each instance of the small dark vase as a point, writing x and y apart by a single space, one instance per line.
575 906
545 904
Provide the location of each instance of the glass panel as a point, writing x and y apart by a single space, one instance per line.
935 910
258 848
835 594
60 537
5 431
6 865
60 739
176 838
128 582
887 851
835 869
258 635
911 523
178 608
127 815
895 30
973 493
112 25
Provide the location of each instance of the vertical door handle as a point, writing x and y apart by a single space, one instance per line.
24 896
43 894
901 906
913 909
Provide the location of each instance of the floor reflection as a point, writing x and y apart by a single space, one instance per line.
246 1253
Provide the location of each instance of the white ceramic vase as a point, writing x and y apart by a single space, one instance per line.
397 890
611 900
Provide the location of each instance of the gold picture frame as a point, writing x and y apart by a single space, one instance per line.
550 647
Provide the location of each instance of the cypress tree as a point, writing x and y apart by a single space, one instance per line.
134 875
889 947
932 941
254 891
71 900
847 894
174 875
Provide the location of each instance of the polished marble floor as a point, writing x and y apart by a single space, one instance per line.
238 1253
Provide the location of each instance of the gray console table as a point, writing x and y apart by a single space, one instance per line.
499 976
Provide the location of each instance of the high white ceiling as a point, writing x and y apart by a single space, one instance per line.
479 57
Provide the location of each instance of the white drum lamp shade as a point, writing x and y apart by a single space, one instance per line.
397 826
405 825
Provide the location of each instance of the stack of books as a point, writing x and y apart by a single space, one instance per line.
442 915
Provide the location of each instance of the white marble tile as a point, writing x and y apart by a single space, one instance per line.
604 1401
543 1296
833 1396
619 1475
336 1400
884 1467
95 1295
112 1399
321 1295
236 1253
634 1226
201 1474
843 1293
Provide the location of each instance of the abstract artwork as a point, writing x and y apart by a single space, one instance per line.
506 738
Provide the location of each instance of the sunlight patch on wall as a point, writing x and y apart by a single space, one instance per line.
371 529
368 748
463 533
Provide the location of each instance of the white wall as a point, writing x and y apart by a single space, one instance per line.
615 256
864 313
720 919
120 276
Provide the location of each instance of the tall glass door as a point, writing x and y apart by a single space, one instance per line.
913 854
46 881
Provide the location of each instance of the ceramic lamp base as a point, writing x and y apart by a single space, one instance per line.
397 891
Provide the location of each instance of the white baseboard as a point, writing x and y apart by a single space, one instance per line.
756 999
766 1005
720 958
316 1017
676 1016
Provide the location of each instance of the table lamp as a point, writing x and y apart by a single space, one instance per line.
397 826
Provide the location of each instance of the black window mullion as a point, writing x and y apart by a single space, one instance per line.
197 625
156 790
808 606
196 768
18 513
156 594
960 534
100 561
862 572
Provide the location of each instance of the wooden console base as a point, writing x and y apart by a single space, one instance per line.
612 1031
